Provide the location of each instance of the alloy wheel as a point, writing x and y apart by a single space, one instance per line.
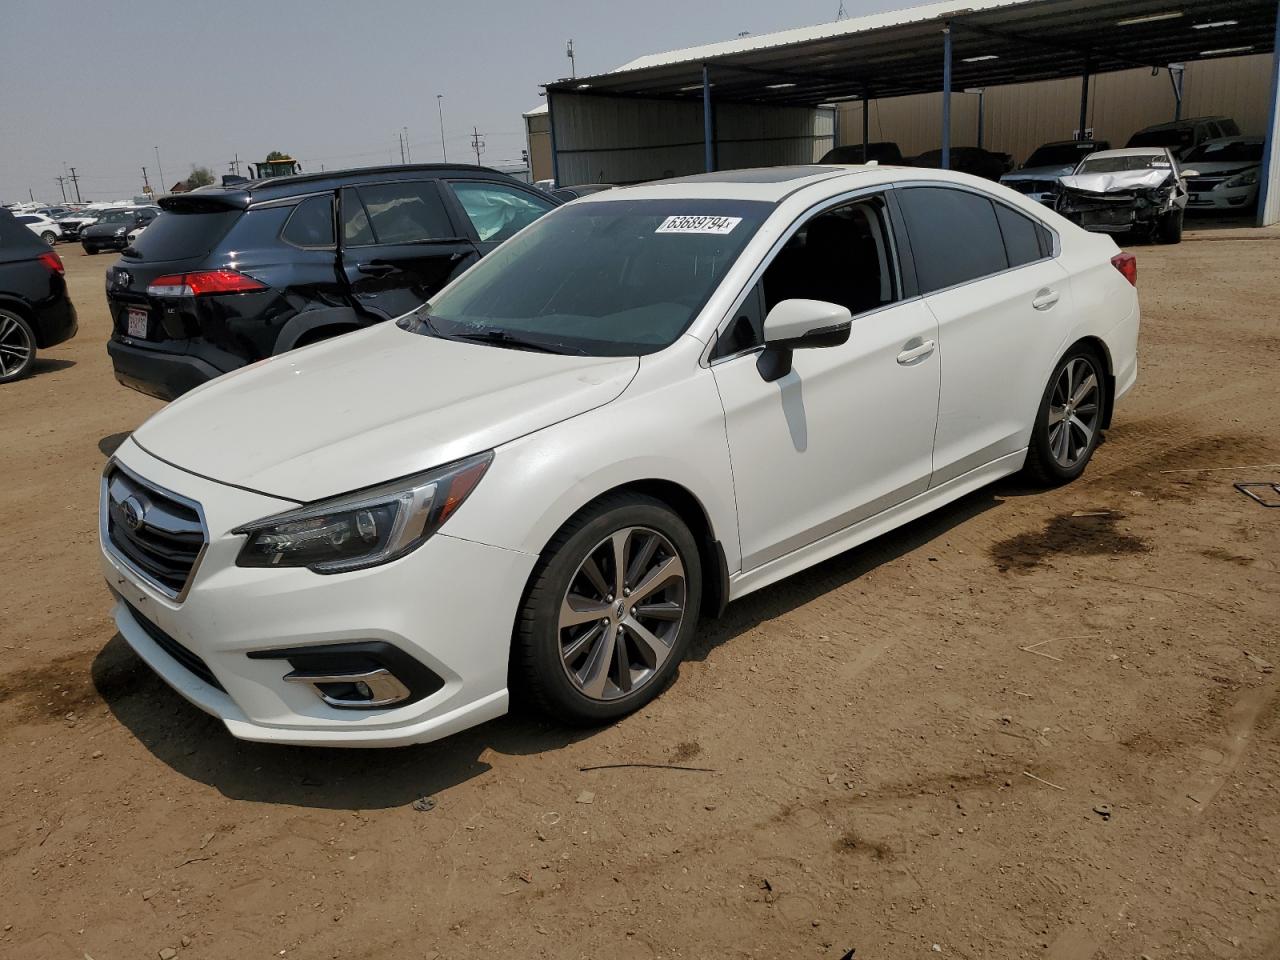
1073 412
15 346
621 613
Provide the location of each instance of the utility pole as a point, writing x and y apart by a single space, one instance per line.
160 167
31 195
75 181
400 137
573 64
477 144
444 154
408 150
146 184
62 185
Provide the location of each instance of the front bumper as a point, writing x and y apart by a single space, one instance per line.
450 605
1236 198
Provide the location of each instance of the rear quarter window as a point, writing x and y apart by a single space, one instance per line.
1022 236
178 235
954 236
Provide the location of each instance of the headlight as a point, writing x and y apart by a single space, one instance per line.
364 528
119 231
1246 179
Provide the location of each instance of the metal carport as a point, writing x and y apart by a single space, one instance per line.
758 100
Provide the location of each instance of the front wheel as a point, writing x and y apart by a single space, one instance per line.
49 237
1069 422
17 347
610 610
1170 228
91 251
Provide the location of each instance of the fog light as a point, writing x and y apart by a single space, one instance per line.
359 675
369 690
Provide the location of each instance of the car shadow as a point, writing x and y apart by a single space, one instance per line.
43 365
199 747
111 443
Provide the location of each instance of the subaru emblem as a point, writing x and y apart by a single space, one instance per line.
134 513
122 278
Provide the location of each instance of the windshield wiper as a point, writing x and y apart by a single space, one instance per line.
504 338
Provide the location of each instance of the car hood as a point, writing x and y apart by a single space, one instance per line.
1223 169
372 406
104 229
1115 182
1039 173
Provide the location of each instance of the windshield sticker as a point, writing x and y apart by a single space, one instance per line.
1164 164
712 225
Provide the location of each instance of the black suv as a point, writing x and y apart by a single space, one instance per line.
111 230
35 311
229 275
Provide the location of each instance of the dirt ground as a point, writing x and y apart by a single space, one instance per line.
1037 724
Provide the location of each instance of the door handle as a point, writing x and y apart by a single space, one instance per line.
916 350
375 269
1045 299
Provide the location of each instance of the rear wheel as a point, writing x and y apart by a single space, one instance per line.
90 250
17 347
49 237
1069 422
610 611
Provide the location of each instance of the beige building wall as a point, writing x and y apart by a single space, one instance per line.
537 127
1020 117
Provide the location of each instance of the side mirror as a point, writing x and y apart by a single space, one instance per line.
800 325
1190 173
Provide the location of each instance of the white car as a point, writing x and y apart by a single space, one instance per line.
46 228
1226 173
650 402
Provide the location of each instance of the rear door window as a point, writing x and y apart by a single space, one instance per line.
1022 242
408 212
181 235
311 223
498 211
356 231
954 234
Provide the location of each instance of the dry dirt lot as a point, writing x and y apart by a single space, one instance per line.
881 765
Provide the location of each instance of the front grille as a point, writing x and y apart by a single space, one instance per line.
176 650
1203 184
158 534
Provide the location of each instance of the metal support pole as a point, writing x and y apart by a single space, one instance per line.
946 97
866 127
982 102
1176 74
1084 98
1271 149
551 129
708 135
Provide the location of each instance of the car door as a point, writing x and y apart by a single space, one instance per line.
399 245
495 211
849 431
988 274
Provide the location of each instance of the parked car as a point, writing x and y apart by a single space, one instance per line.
35 311
566 194
650 402
1137 189
231 275
73 223
1226 173
1038 177
111 230
972 160
53 213
46 228
1183 136
883 151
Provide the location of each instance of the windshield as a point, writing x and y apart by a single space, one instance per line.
613 278
1169 137
1231 152
1059 154
118 216
1141 161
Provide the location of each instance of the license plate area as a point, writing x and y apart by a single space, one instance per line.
136 323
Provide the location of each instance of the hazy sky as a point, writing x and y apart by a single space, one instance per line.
99 85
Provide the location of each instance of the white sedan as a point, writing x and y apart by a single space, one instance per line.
649 403
46 228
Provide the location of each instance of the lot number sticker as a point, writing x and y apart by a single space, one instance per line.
713 225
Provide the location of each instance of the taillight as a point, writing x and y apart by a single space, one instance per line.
1127 264
53 262
203 282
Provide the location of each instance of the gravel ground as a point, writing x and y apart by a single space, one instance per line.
1035 724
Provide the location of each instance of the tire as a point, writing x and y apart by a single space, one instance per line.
17 347
1051 460
574 671
1170 229
91 251
49 237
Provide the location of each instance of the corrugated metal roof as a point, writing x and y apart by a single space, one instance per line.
994 42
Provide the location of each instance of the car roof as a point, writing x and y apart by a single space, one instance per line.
274 188
1175 124
1239 139
775 184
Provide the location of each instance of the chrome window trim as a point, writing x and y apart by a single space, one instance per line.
849 196
110 548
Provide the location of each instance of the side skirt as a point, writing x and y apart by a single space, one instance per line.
742 584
